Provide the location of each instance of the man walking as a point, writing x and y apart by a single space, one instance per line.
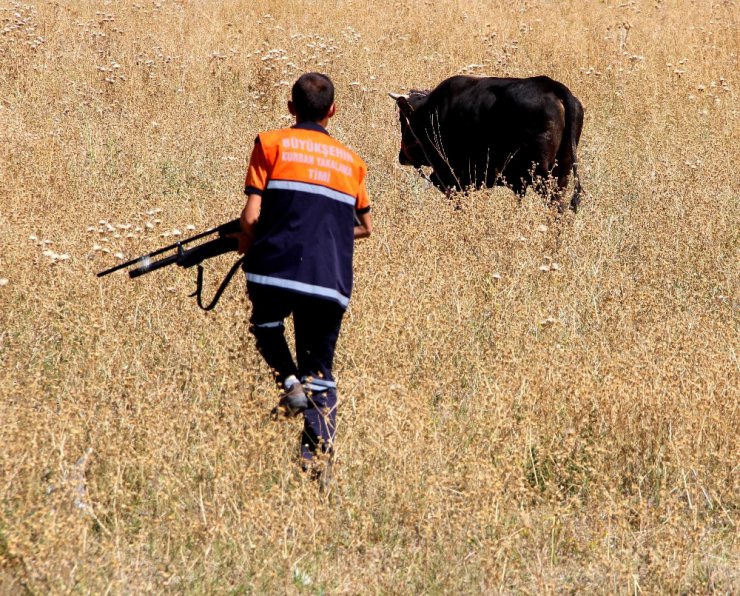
306 204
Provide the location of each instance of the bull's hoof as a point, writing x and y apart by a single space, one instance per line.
575 202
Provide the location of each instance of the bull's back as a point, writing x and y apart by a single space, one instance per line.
471 94
493 116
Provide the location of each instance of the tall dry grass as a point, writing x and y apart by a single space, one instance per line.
525 406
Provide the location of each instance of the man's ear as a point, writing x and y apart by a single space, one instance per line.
332 110
291 108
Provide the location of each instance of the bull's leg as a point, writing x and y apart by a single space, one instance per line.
575 200
557 193
562 186
544 167
546 185
440 184
566 163
518 187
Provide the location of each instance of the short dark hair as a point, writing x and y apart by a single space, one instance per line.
312 95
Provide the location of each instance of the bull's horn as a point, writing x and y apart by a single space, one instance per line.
397 96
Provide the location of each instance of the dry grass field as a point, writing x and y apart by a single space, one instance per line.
526 405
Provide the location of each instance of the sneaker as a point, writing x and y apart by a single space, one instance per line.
292 402
326 478
320 470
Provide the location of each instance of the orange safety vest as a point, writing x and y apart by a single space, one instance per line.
312 186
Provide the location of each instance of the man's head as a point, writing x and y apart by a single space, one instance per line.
312 97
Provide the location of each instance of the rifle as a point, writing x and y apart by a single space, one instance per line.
190 257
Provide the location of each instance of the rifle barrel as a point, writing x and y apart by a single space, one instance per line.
153 265
159 251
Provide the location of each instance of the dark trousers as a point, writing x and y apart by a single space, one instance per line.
317 322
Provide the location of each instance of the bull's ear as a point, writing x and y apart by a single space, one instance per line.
404 106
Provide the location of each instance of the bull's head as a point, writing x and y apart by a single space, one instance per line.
412 151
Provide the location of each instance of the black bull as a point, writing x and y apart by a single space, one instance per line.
485 131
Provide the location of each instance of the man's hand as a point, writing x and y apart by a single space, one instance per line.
243 239
364 226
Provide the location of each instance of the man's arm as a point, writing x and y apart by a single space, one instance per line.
364 225
255 182
250 215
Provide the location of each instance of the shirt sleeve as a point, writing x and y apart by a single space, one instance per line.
257 172
362 204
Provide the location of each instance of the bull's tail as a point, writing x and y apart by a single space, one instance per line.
575 200
567 155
